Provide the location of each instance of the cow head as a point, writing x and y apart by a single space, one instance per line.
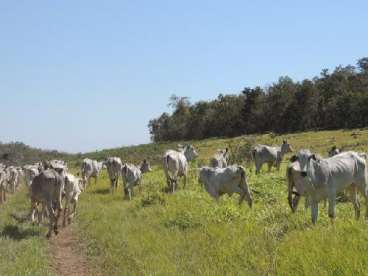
286 147
145 166
304 156
190 152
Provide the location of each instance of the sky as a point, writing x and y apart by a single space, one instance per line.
81 76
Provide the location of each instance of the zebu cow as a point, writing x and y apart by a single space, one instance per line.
271 155
219 160
72 189
330 176
229 180
333 151
90 168
132 176
47 189
114 167
13 179
176 165
3 184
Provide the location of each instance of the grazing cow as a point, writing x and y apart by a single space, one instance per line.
220 159
47 189
229 180
114 167
330 176
333 151
90 169
176 164
72 189
270 155
132 176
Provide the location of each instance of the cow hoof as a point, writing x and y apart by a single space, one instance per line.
69 220
48 236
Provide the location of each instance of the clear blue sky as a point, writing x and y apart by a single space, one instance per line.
86 75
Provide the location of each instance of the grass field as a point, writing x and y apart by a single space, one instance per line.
189 233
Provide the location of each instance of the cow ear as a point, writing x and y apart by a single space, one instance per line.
293 158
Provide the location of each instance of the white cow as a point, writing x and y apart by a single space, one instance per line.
114 167
132 176
229 180
175 165
220 159
90 169
13 179
3 184
271 155
72 189
328 177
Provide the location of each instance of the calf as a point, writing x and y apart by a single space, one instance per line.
229 180
220 159
132 176
72 190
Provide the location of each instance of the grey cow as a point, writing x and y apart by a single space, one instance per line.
229 180
175 165
114 167
330 176
90 169
271 155
47 189
220 159
132 176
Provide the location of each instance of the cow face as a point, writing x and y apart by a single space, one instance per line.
190 153
145 167
286 147
303 157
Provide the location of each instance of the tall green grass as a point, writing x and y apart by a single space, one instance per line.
190 233
23 247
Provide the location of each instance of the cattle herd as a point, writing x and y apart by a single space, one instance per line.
51 186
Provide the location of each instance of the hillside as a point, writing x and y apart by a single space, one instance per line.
190 233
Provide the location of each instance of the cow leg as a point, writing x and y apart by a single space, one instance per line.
66 212
269 166
332 205
314 211
355 200
185 180
52 218
307 202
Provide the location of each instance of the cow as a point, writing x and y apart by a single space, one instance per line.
328 177
333 151
13 179
220 159
229 180
90 169
271 155
47 189
132 176
114 167
175 164
3 184
72 190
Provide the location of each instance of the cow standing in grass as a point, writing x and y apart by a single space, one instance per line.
333 151
72 190
3 184
330 176
132 176
114 167
90 169
271 155
47 189
229 180
175 165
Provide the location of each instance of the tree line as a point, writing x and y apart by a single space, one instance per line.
332 100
